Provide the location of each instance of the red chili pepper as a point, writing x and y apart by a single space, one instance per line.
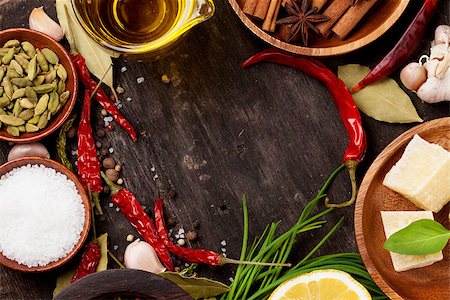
88 163
89 261
101 96
191 255
404 48
135 214
342 98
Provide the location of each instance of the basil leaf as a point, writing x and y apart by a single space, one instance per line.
196 287
419 238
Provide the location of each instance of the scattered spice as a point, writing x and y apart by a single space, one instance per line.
192 235
181 242
130 237
118 168
120 181
165 78
109 163
103 112
61 142
101 133
112 175
140 80
120 90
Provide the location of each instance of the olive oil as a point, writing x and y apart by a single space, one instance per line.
129 22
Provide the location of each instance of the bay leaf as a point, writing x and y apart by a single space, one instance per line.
103 245
63 280
98 59
384 100
196 287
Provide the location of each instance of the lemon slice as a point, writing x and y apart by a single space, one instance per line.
321 285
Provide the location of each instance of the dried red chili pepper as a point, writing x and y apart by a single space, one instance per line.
135 214
404 48
100 95
201 256
343 100
88 163
89 261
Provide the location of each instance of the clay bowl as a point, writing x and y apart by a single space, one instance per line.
431 282
381 17
40 40
84 197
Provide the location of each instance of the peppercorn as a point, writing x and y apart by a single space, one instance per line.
118 168
104 151
120 181
112 175
101 133
109 163
98 145
106 189
72 133
104 112
130 238
192 235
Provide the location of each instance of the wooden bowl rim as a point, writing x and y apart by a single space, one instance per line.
33 137
359 207
320 51
49 163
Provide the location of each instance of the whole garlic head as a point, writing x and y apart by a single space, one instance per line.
141 256
435 89
442 35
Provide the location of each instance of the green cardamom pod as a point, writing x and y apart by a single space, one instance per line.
32 70
7 58
44 88
11 43
7 85
31 128
21 82
13 130
23 55
50 56
43 63
62 73
17 109
26 114
43 120
21 128
11 73
50 76
11 120
2 89
51 68
25 103
28 48
2 73
53 102
61 88
2 112
41 106
34 120
39 80
14 64
20 93
23 62
31 95
64 97
3 51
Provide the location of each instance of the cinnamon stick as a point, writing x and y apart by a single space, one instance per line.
249 7
334 11
273 25
271 14
319 4
261 9
351 18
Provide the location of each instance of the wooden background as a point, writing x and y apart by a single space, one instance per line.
217 131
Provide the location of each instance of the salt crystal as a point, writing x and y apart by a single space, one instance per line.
74 152
182 236
115 247
128 99
140 80
224 250
180 231
123 70
155 177
223 243
110 204
117 209
177 236
111 150
41 223
231 279
186 265
153 169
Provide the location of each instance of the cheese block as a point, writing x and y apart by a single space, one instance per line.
422 175
393 221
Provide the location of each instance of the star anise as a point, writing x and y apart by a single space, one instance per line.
302 17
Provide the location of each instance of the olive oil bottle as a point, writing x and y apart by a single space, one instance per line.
130 22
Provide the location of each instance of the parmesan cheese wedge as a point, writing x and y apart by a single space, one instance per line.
422 175
393 221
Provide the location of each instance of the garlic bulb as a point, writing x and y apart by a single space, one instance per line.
413 76
141 256
442 35
435 89
40 21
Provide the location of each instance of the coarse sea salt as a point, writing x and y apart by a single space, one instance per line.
41 215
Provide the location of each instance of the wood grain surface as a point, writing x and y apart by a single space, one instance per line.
430 282
217 131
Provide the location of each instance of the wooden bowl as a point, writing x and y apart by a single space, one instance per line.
40 40
431 282
384 14
84 197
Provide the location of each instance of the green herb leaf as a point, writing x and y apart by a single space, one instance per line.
419 238
103 245
384 101
196 287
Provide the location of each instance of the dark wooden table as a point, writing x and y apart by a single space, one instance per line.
218 131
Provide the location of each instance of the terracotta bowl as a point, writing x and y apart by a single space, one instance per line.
84 197
381 17
40 40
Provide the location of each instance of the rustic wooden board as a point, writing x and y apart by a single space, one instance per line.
218 131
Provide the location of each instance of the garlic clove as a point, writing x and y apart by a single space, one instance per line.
40 21
141 256
27 150
413 76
